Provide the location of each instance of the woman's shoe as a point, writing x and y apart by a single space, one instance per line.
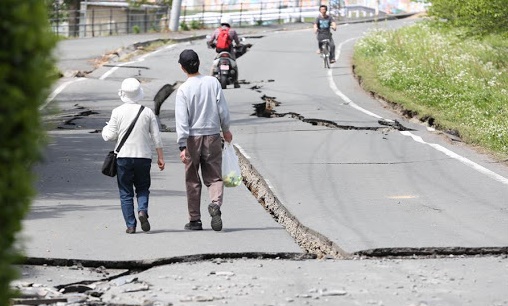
143 218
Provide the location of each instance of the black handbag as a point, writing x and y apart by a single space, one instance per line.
109 165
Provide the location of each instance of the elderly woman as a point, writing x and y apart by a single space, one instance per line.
135 156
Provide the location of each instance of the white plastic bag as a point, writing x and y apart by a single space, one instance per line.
231 173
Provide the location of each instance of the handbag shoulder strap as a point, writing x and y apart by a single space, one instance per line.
129 130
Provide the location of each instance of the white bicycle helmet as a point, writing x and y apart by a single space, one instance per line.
225 20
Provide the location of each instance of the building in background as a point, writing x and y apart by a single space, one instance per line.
390 6
100 18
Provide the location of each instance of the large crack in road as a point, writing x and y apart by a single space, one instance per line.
313 242
267 109
321 247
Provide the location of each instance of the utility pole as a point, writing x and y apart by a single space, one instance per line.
85 17
174 18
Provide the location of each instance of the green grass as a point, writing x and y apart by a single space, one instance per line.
461 82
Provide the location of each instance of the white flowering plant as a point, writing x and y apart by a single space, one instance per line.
443 77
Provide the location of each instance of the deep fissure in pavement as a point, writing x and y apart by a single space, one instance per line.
315 243
309 240
267 109
150 263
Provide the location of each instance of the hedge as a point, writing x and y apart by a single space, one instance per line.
26 74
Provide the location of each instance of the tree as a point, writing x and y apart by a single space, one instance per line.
58 10
73 9
26 73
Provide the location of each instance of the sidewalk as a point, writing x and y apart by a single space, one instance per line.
74 234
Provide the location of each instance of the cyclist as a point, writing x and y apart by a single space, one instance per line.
214 42
322 26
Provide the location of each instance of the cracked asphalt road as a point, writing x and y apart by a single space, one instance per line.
308 194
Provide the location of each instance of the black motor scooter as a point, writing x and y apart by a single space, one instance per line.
226 69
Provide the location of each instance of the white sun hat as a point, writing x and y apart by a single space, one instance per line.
131 91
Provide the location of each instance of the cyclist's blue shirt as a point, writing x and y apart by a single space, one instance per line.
324 23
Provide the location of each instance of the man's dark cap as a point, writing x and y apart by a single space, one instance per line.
188 58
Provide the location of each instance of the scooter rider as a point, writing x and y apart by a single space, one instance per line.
322 26
225 24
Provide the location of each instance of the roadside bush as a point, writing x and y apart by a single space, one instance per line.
184 26
461 83
195 25
479 16
26 73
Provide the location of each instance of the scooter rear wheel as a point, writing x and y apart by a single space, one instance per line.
223 81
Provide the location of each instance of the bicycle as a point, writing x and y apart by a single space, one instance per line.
325 52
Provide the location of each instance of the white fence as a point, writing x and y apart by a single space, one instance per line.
282 15
122 20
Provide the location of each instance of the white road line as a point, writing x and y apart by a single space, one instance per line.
242 151
248 157
140 59
458 157
437 147
342 95
58 90
110 71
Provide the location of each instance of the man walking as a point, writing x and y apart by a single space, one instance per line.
201 112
